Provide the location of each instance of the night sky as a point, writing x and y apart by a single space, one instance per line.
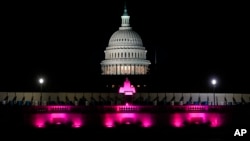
65 42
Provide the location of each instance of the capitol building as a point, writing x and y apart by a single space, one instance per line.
125 57
124 98
125 54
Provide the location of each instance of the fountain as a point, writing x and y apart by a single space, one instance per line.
128 91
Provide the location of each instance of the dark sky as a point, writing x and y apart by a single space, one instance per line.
64 41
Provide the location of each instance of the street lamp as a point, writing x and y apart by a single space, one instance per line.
214 82
41 81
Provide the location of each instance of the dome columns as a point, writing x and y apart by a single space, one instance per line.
124 69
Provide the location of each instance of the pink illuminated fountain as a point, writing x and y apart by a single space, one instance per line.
127 88
128 91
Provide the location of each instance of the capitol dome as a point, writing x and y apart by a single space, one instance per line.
125 54
125 37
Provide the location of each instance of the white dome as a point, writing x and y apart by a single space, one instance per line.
125 38
125 54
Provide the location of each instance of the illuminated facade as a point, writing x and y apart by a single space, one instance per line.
125 54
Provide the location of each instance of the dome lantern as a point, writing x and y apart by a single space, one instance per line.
125 19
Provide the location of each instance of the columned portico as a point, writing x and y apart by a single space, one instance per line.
125 69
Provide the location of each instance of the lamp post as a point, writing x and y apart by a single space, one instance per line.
41 81
214 82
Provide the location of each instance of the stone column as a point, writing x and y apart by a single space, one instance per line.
145 70
132 69
106 69
115 68
118 69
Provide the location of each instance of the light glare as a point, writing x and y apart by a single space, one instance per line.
41 80
214 82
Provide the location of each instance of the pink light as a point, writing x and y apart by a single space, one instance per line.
127 122
58 123
177 120
215 120
196 108
126 103
40 124
109 123
58 108
117 109
178 123
127 107
58 118
126 115
109 120
77 124
146 121
77 121
146 124
126 118
58 115
128 93
39 120
214 123
197 118
127 88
